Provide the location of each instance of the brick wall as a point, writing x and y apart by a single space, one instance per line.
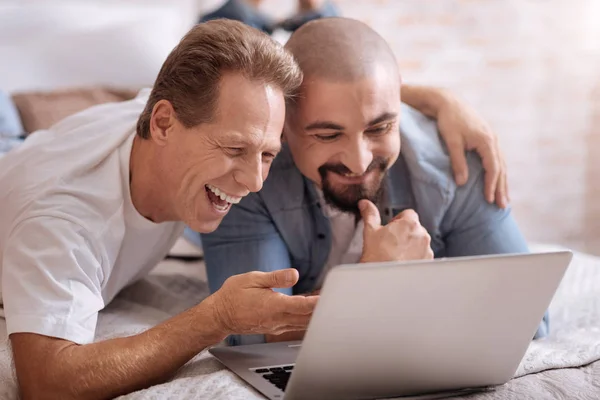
532 69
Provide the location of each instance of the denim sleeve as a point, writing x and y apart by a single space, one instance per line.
472 226
246 240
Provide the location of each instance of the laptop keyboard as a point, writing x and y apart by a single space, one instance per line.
278 376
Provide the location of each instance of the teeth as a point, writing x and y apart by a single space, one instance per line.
223 196
221 208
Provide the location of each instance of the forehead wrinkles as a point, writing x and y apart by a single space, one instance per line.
248 113
356 103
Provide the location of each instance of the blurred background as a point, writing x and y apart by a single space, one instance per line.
530 67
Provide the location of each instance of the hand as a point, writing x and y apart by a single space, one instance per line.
291 336
402 239
463 129
247 304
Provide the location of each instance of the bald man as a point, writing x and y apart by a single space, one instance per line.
362 177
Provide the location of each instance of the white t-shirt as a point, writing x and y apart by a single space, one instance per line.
346 238
70 237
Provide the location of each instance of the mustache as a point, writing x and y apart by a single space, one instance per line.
378 163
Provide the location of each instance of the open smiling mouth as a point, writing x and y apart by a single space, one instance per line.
221 202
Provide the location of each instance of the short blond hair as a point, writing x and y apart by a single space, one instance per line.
189 78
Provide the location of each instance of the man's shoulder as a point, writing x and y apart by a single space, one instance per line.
423 150
74 168
51 189
425 154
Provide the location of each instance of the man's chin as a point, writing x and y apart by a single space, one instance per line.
347 200
343 203
205 226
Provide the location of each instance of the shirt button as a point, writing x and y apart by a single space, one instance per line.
321 236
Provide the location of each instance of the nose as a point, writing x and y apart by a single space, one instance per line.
250 175
358 156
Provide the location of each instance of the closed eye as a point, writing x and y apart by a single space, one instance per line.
268 157
380 130
235 151
329 137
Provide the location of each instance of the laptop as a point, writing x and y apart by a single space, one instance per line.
431 329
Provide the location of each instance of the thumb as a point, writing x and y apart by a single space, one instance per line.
369 214
283 278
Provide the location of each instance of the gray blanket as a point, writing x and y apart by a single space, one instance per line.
563 366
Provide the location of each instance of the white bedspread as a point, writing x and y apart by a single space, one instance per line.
563 366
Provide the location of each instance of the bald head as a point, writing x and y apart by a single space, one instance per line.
342 127
341 50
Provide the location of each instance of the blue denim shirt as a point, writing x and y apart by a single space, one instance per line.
283 225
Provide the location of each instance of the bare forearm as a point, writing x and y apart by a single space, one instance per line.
428 100
118 366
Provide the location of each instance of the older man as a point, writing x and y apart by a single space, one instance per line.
342 166
95 202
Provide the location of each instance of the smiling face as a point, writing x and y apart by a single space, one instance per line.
344 136
213 165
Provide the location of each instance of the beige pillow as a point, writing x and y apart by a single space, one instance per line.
41 110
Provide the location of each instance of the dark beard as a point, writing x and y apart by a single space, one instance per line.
346 199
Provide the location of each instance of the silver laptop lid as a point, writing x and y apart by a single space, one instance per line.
391 329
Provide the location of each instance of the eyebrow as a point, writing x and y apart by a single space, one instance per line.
324 125
386 116
242 140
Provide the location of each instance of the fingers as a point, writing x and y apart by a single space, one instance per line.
291 323
296 322
290 313
458 161
369 214
506 187
409 215
491 165
501 196
429 255
284 278
282 324
297 305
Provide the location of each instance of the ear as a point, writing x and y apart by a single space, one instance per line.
162 122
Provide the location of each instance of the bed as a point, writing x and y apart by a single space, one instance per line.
564 366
